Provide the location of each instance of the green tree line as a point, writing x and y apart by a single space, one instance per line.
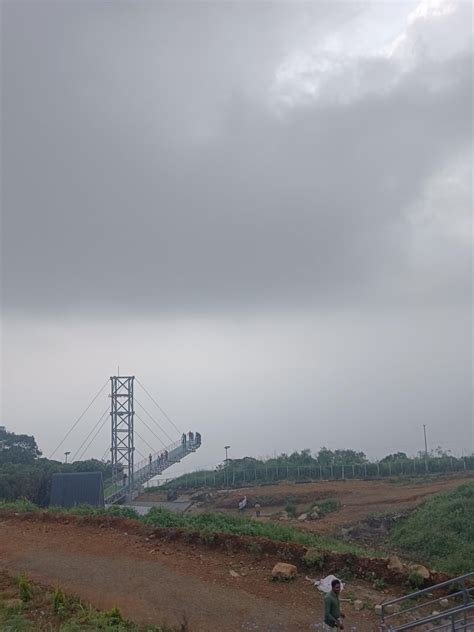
24 473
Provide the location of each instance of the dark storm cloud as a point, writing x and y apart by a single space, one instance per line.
145 168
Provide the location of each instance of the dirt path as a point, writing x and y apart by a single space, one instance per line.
163 583
359 499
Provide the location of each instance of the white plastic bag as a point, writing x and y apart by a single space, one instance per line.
324 585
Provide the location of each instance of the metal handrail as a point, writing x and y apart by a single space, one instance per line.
467 604
448 614
145 470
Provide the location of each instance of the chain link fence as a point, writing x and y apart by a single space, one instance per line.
262 474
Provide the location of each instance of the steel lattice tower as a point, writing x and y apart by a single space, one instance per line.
121 413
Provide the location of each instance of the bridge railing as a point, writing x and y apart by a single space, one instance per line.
457 613
114 489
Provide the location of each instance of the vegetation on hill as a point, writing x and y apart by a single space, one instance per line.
204 524
28 607
441 532
24 473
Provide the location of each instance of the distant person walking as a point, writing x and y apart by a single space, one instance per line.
149 460
332 608
257 510
242 504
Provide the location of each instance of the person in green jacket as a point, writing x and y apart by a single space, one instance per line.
332 608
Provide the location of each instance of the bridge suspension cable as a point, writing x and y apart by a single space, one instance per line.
150 429
159 407
153 419
89 435
94 437
145 441
78 420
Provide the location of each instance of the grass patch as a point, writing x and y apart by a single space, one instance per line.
208 523
237 525
329 505
57 612
441 532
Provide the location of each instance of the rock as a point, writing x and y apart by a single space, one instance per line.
390 609
284 518
303 516
444 603
358 604
435 612
234 574
394 563
314 515
378 609
284 571
421 570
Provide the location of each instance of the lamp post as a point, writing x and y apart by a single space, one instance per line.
426 448
66 454
226 448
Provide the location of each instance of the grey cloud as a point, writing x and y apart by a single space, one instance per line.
140 181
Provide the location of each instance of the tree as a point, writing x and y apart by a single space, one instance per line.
17 448
396 456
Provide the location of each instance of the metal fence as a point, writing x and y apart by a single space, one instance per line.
261 474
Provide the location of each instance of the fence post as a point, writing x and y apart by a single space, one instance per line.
378 469
332 471
365 470
353 470
320 472
298 472
464 462
389 469
342 473
255 474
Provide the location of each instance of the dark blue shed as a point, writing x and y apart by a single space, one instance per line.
77 488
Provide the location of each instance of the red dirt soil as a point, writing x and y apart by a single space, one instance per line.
359 499
154 581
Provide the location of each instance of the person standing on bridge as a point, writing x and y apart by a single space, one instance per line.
332 608
149 459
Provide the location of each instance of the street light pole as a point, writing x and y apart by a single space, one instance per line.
226 448
66 454
426 448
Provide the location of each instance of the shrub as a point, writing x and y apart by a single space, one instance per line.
329 505
415 580
114 617
379 584
313 558
25 588
290 510
59 601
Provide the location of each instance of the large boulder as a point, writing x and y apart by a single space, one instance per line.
284 571
394 563
358 604
421 570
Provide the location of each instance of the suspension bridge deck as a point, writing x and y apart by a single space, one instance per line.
116 490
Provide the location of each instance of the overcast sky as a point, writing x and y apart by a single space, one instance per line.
262 210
